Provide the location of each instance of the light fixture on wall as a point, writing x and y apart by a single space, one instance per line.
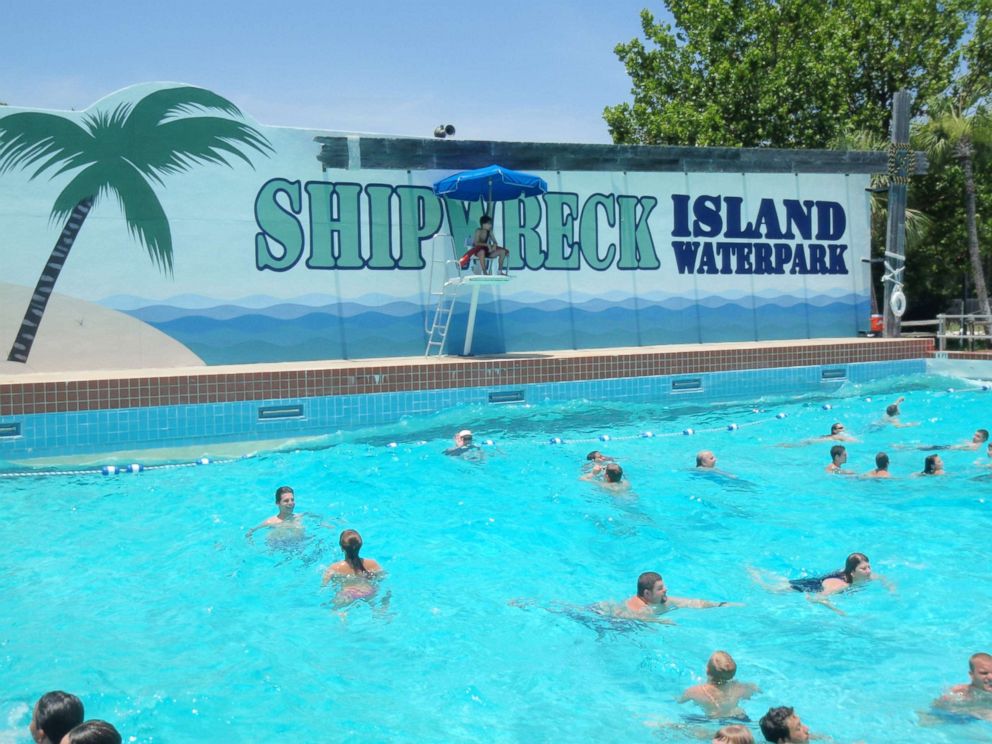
444 130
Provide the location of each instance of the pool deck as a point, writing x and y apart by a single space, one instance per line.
56 392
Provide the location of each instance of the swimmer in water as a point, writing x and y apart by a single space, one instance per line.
652 600
733 734
892 416
856 572
932 465
609 476
55 714
980 437
705 460
837 434
838 456
881 467
720 696
782 726
354 572
286 525
975 698
464 447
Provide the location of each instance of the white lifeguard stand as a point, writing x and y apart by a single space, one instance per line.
452 278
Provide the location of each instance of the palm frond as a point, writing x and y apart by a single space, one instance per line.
177 145
164 104
27 138
143 213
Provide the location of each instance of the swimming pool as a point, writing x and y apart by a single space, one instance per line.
140 594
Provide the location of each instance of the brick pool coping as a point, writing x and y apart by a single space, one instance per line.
92 391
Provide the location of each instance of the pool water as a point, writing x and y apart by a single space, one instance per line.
139 593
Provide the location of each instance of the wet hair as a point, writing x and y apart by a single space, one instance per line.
853 561
835 427
892 410
930 464
593 455
56 713
837 450
881 461
613 473
94 732
351 543
646 581
773 723
281 490
699 457
980 656
721 667
734 734
485 219
984 433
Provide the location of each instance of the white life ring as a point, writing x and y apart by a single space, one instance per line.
897 303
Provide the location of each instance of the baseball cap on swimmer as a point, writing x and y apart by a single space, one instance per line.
464 433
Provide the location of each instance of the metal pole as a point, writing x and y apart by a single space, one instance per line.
895 238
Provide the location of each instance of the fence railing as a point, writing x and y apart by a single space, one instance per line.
965 329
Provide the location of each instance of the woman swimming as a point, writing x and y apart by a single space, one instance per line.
354 572
933 465
857 569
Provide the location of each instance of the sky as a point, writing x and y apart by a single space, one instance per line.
517 70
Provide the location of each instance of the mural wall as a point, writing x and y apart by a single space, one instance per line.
165 206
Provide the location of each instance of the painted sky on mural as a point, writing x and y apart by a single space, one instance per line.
525 70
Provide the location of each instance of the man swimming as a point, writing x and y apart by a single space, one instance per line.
782 726
881 467
465 447
611 476
705 459
837 433
980 437
288 525
892 413
974 698
720 695
838 456
652 600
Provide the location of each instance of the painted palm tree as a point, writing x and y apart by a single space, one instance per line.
120 152
960 129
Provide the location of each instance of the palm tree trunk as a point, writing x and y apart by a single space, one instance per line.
969 202
46 283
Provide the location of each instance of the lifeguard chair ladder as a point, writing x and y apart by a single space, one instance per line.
452 279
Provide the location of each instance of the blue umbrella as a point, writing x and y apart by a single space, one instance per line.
494 183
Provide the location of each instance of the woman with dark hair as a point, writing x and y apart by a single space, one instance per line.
54 715
354 572
92 732
933 465
856 571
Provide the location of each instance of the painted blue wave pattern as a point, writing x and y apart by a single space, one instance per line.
228 334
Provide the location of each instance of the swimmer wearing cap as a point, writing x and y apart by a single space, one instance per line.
464 446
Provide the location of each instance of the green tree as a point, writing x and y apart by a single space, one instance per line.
119 152
959 131
785 73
